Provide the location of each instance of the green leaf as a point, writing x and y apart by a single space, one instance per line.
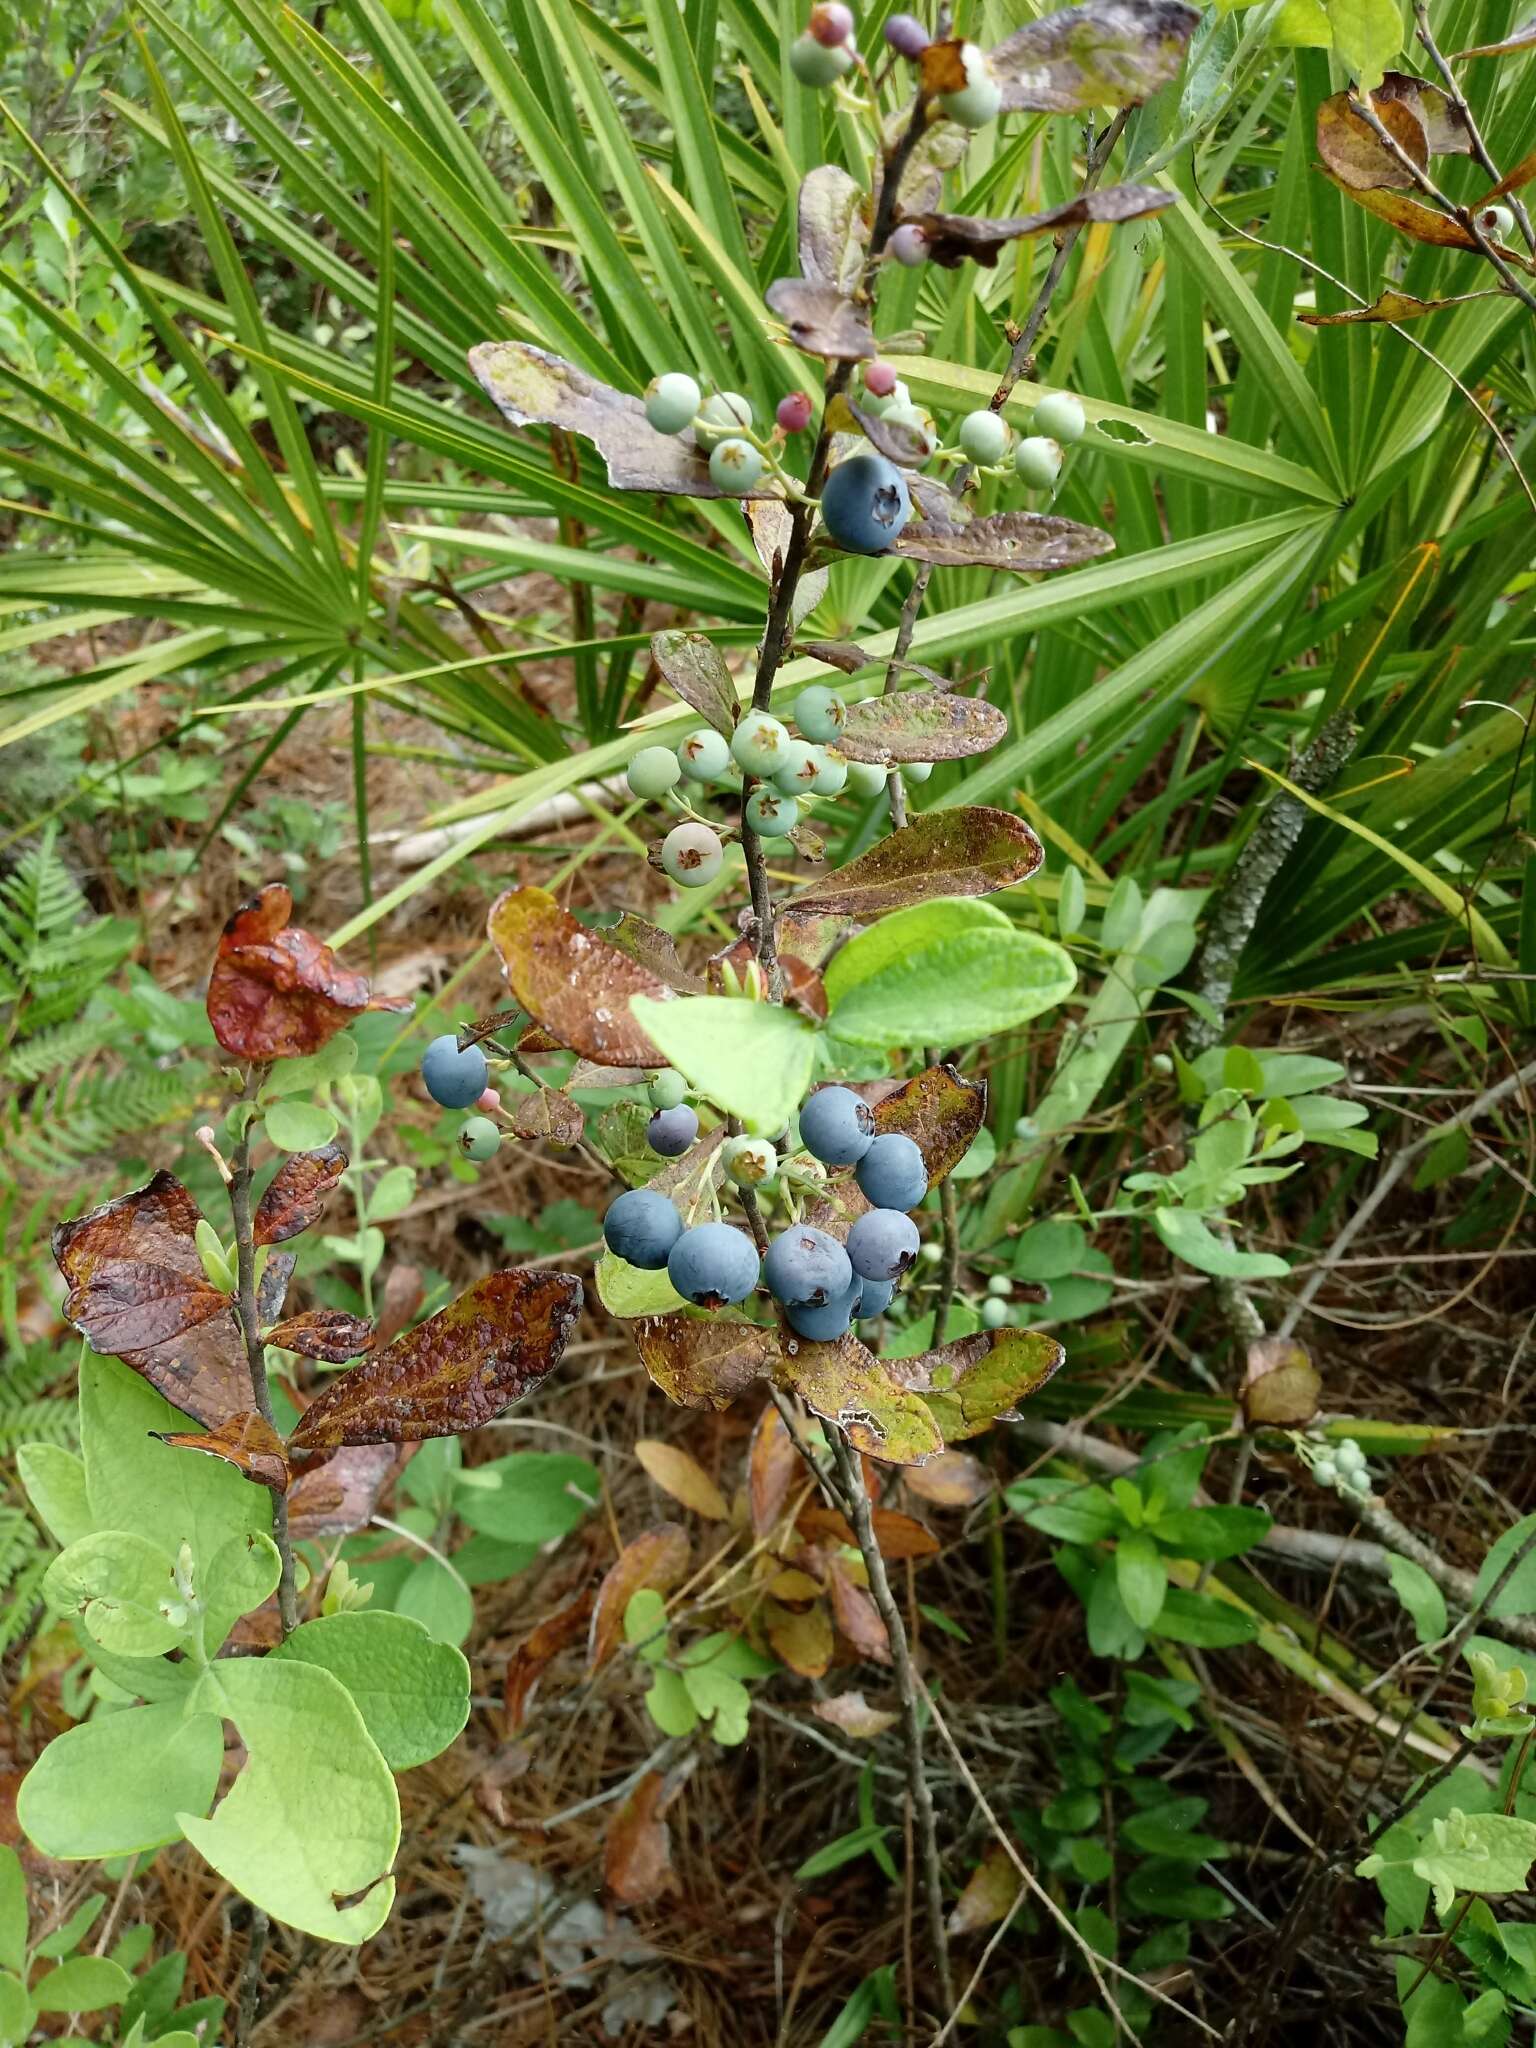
1071 902
295 1126
1367 35
338 1056
244 1573
720 1699
539 1496
1189 1238
846 1849
1518 1594
943 973
1211 1533
124 1590
627 1291
13 1911
64 1940
313 1817
752 1059
1122 916
55 1482
16 2011
412 1692
1203 1620
1421 1597
1140 1577
436 1597
119 1784
84 1984
669 1705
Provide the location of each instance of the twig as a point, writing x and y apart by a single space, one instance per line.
1474 134
255 1353
949 1277
250 1977
908 1687
980 1970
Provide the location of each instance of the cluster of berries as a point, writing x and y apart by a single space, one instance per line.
786 768
1342 1465
983 437
826 52
459 1077
823 1286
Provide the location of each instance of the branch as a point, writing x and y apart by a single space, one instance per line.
1458 100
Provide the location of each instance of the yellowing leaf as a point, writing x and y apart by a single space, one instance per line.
675 1472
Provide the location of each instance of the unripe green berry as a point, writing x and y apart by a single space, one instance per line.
479 1139
980 99
820 713
866 778
880 402
931 1253
832 775
1162 1063
721 416
671 401
692 855
994 1313
1025 1128
1037 461
705 755
1000 1285
652 772
797 772
769 813
815 65
735 466
750 1162
1496 222
1060 417
916 771
1325 1472
667 1089
760 744
983 437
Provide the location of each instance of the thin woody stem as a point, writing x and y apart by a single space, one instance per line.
1474 133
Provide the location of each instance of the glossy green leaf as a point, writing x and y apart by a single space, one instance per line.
412 1693
121 1783
943 973
752 1059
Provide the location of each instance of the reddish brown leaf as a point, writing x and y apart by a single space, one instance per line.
528 1662
247 1442
657 1559
952 238
703 1362
921 725
940 1111
964 851
328 1333
898 1536
969 1383
296 1194
856 1615
277 992
1512 181
338 1491
1281 1386
497 1342
272 1287
1028 543
575 982
853 1715
134 1273
821 320
653 948
402 1298
1410 216
637 1858
1100 53
772 1462
1390 307
695 668
1356 156
989 1894
954 1479
680 1474
800 1637
1443 122
549 1114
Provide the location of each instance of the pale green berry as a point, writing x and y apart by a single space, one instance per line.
770 814
1348 1455
735 466
671 401
652 772
931 1253
750 1162
721 416
820 713
815 65
1000 1285
1496 222
832 774
692 854
1037 461
1060 417
705 755
667 1089
916 771
479 1139
1162 1063
1325 1472
980 99
1026 1128
994 1313
796 774
880 404
866 778
760 744
983 437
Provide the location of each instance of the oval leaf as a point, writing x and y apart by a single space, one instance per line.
696 670
967 851
297 1193
1027 542
657 1558
846 1384
704 1362
954 238
548 1114
971 1382
1104 53
821 320
680 1474
920 725
832 227
277 992
574 981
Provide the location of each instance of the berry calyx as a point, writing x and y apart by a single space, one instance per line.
705 755
692 855
831 23
760 744
820 713
724 414
671 401
815 65
793 413
797 773
1060 417
907 36
735 466
983 437
454 1079
712 1265
836 1126
667 1089
1037 462
479 1139
671 1131
750 1162
908 245
770 814
652 772
865 504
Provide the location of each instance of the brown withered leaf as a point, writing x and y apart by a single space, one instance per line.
1511 181
248 1442
893 439
529 1661
135 1276
940 148
838 654
808 842
1281 1386
855 1613
1356 156
1391 306
637 1856
832 227
800 1637
329 1333
1104 53
990 1893
845 1383
970 1382
772 1463
851 1714
653 948
920 725
296 1194
272 1287
769 523
680 1474
965 851
549 1114
497 1342
575 982
657 1559
1029 543
1443 122
956 238
703 1363
337 1492
695 668
403 1296
820 320
277 992
897 1535
1522 38
941 66
1410 216
954 1479
588 1074
531 387
535 1039
940 1111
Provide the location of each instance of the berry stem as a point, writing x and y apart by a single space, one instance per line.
255 1352
949 1273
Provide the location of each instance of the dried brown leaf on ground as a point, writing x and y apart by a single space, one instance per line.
656 1559
678 1473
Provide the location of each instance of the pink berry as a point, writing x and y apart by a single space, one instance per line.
906 35
794 413
880 379
909 245
831 23
488 1100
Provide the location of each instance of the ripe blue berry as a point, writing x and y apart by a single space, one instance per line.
906 35
671 401
865 503
883 1244
797 772
770 814
1060 417
994 1312
837 1127
804 1268
735 465
866 778
876 1298
831 775
829 1321
724 414
671 1131
909 245
479 1139
815 65
453 1079
1037 462
713 1264
691 854
750 1162
641 1226
653 771
980 99
705 755
820 713
759 744
983 437
667 1089
891 1173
